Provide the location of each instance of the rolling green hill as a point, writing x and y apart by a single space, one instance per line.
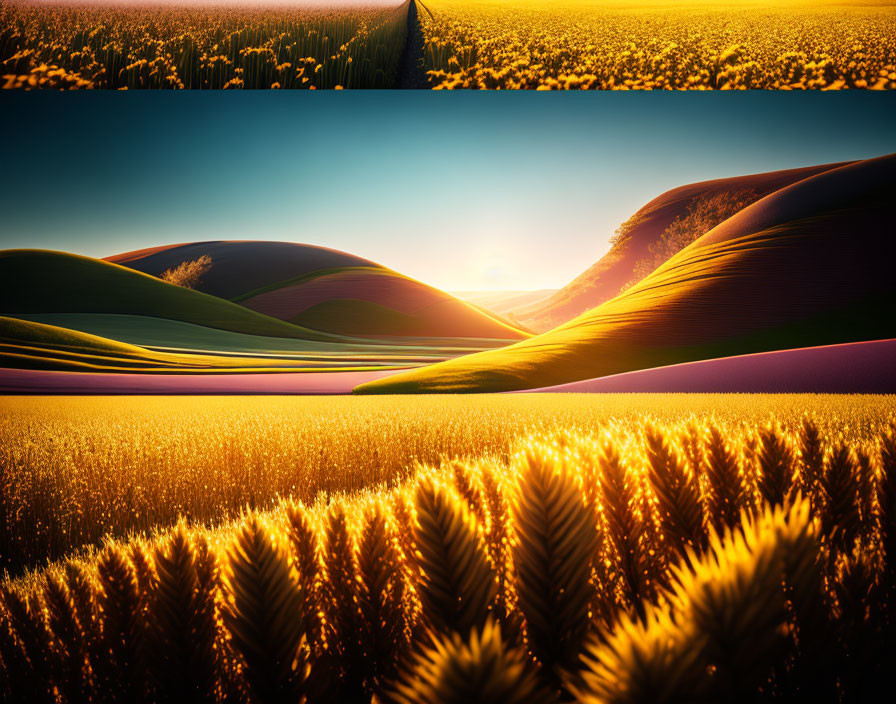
241 268
42 281
26 332
325 290
175 336
25 344
810 264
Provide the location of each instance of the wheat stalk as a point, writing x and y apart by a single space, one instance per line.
121 607
840 517
481 670
723 633
625 526
68 647
381 593
775 466
726 494
457 584
183 624
264 615
555 536
677 491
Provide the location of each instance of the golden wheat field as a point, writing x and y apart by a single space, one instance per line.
545 44
590 549
580 44
147 46
74 469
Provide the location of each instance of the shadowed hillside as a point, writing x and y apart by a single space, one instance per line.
810 264
324 289
644 231
239 267
43 281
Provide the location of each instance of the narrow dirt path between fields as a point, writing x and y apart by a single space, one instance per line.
410 66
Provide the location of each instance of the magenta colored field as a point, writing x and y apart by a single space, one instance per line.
859 367
28 381
854 368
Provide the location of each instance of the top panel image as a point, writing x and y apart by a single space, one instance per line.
448 44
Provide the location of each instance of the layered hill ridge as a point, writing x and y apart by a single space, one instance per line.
25 344
45 281
809 264
505 302
240 267
604 279
325 290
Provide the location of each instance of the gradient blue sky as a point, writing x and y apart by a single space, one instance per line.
464 191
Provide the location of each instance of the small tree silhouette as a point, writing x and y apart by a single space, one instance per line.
704 213
188 274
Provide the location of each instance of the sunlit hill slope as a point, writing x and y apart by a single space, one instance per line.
324 289
810 264
644 230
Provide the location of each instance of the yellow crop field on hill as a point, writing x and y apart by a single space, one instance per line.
581 44
716 548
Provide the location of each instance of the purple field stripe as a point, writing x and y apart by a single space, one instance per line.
854 368
28 381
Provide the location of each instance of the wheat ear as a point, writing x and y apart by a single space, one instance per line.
723 634
727 495
840 520
69 650
305 545
775 466
183 624
24 646
677 492
342 614
264 615
866 479
555 542
381 592
625 526
482 669
123 627
812 451
457 582
467 485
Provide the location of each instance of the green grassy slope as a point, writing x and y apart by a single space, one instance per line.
360 304
27 344
147 331
240 268
363 318
807 265
240 271
24 332
173 335
367 318
41 281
